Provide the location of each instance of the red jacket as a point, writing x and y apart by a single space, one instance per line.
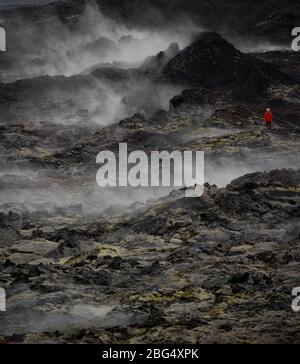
268 117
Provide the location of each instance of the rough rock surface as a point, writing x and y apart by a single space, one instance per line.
214 63
219 268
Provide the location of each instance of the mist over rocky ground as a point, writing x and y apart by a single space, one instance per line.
84 264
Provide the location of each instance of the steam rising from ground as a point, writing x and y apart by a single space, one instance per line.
54 48
255 46
31 191
96 41
93 41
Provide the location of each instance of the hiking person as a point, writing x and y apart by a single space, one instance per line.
268 118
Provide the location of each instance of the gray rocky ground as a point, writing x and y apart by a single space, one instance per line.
82 264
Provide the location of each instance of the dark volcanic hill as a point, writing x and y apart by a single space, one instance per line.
212 62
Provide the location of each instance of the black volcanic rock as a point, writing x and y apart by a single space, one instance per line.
29 98
212 62
286 61
194 96
101 46
110 74
277 178
134 122
156 63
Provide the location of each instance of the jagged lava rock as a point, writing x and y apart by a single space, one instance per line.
213 62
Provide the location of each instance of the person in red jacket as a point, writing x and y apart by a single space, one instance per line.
268 117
